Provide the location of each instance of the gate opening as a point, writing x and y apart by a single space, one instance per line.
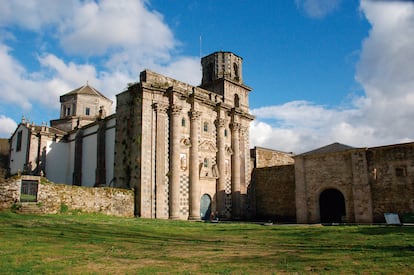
332 206
28 191
205 207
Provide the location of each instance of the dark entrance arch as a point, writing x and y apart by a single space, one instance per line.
332 206
205 207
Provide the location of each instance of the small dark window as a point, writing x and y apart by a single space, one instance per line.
400 171
88 111
183 122
236 71
225 132
205 127
236 101
205 162
19 141
210 72
68 111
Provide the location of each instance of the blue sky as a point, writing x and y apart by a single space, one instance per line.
322 71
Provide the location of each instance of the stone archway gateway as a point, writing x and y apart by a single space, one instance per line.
331 206
205 207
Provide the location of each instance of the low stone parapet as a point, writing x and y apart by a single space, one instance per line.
54 198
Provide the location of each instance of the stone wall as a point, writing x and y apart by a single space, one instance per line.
52 197
391 176
264 157
274 189
373 181
319 172
4 156
9 193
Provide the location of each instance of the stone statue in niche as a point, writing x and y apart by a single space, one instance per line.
226 167
183 162
208 170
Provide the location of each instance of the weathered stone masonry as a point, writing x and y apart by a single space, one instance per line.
176 143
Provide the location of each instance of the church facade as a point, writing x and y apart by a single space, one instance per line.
183 149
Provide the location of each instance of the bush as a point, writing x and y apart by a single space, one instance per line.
63 208
16 207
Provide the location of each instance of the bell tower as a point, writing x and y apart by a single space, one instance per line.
221 65
223 75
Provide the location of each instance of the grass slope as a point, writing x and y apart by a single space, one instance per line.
96 244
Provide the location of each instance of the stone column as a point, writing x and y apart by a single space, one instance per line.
221 181
194 167
174 196
235 171
160 169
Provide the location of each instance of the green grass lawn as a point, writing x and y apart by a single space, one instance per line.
96 244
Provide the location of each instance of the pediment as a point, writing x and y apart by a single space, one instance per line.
208 146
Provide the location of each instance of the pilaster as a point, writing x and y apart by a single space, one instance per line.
174 196
160 151
100 174
300 191
361 189
235 171
221 181
194 164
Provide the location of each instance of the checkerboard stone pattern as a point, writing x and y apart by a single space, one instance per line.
184 194
227 198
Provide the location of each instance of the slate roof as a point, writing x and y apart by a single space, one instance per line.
86 90
331 148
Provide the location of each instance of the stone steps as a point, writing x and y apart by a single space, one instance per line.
30 208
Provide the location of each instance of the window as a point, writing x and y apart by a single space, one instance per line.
183 122
236 101
205 163
400 171
225 132
236 71
88 111
68 111
19 141
205 127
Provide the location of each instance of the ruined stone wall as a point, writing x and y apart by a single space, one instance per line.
9 193
52 197
274 189
267 158
391 178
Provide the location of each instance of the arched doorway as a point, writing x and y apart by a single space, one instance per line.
331 206
205 207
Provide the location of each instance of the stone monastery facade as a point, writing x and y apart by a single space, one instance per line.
181 146
185 152
183 149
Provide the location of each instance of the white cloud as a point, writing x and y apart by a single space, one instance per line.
7 126
34 14
98 27
104 42
317 8
384 115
